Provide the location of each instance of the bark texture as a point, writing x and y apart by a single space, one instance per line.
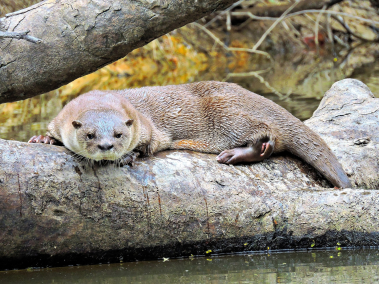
56 211
79 37
348 121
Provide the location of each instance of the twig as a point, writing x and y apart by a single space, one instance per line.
261 79
223 12
294 34
254 17
316 27
347 28
219 42
228 22
295 31
278 20
244 24
330 33
20 35
284 24
340 41
305 12
247 74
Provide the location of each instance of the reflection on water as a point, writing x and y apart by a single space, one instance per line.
349 266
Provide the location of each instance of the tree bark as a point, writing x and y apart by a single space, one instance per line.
79 37
57 211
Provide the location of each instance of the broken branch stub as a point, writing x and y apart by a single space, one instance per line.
20 35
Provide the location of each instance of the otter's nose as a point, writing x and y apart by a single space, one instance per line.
105 147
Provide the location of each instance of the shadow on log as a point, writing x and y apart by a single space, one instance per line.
56 211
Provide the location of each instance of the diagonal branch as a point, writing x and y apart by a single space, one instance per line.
80 37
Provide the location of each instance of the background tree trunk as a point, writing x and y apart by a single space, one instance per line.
56 211
79 37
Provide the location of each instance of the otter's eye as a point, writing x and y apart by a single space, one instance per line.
118 135
90 136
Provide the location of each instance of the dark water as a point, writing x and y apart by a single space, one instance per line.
345 266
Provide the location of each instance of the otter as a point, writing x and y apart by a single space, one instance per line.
211 117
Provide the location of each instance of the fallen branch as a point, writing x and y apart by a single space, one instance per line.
79 37
56 211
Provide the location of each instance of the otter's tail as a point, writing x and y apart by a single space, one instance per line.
310 147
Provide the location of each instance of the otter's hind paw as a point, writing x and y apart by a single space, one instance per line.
43 139
129 159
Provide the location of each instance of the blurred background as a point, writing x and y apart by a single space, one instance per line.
298 60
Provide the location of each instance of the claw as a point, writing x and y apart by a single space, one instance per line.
43 139
254 153
129 159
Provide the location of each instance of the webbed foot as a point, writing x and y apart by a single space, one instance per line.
43 139
256 153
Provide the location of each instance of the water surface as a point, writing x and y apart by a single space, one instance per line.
333 266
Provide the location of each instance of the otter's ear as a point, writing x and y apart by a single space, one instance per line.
129 122
77 124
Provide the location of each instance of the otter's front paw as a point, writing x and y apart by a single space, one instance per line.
43 139
129 159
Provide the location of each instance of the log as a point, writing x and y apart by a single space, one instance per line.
56 211
54 42
347 119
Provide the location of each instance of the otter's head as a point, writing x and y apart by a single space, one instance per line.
101 135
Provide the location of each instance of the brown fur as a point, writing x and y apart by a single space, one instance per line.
207 117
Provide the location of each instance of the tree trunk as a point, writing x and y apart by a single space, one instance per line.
54 42
56 211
